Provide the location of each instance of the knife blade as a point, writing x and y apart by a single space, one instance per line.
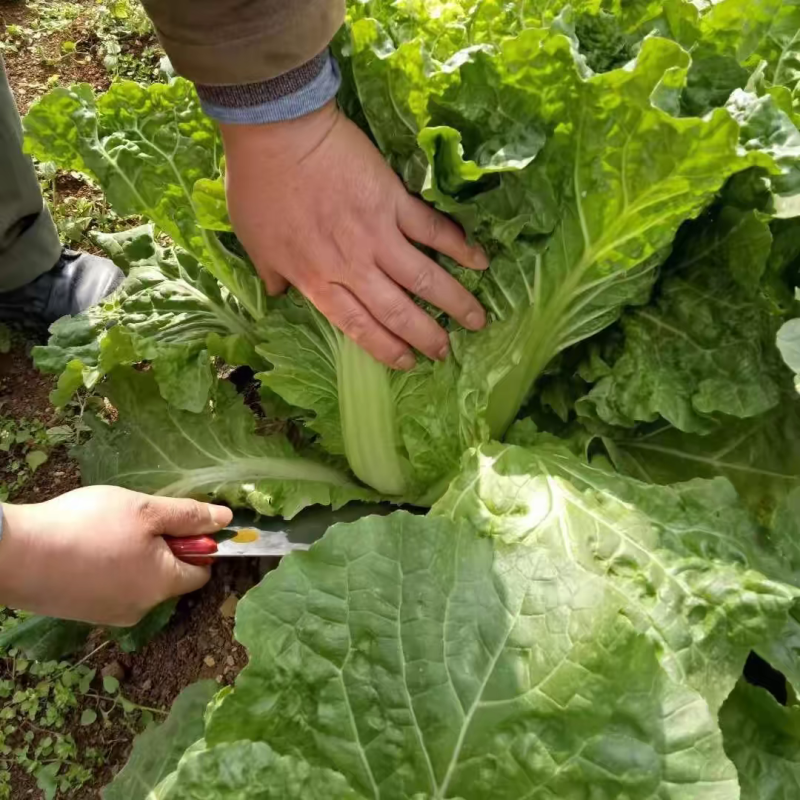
252 535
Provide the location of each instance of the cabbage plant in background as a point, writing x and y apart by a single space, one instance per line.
574 146
612 464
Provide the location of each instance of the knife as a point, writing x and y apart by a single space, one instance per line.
252 535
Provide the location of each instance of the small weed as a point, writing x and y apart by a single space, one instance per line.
126 18
16 37
53 17
117 33
76 214
25 444
48 19
40 701
127 42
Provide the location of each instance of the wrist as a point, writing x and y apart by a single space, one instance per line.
292 95
278 144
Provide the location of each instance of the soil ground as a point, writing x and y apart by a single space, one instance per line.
198 642
28 70
24 396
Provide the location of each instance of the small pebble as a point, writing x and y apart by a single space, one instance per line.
228 607
147 685
229 661
209 661
113 670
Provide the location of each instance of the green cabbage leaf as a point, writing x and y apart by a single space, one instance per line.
548 629
217 453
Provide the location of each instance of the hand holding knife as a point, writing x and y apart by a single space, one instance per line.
249 535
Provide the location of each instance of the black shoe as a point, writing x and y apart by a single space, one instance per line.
77 282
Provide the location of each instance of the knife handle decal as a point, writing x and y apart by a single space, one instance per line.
193 549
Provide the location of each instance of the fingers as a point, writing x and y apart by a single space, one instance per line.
170 516
181 516
398 313
423 224
345 311
188 578
426 279
275 283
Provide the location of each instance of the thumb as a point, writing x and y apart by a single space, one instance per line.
170 516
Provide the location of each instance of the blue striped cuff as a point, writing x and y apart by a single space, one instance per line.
313 96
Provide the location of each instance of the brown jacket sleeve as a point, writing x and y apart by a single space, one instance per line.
225 42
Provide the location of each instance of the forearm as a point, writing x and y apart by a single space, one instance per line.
254 61
279 146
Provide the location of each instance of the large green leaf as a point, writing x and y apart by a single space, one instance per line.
704 349
760 456
168 311
780 46
252 771
45 638
156 752
624 204
550 630
622 530
762 459
762 739
146 146
217 453
736 27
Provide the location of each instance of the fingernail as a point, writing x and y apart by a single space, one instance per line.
220 515
475 320
405 362
480 259
443 352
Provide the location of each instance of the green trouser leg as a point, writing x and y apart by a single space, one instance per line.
29 242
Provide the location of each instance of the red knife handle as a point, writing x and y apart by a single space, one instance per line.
193 549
